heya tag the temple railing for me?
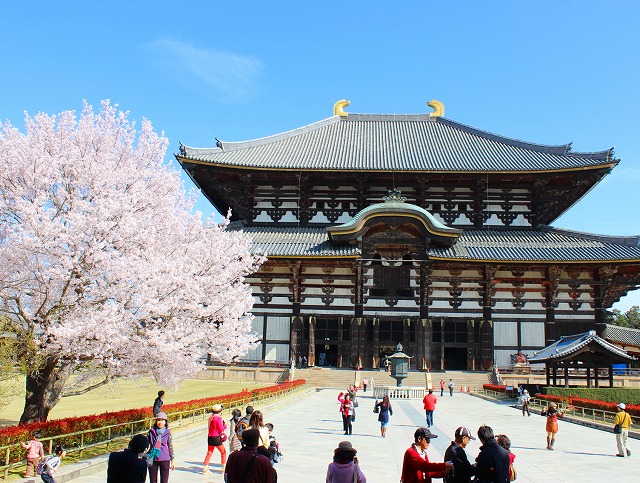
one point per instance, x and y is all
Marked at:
(399, 392)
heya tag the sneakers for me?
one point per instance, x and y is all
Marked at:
(620, 455)
(628, 453)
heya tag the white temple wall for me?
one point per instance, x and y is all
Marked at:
(532, 334)
(276, 352)
(278, 328)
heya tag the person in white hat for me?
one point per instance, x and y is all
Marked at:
(216, 438)
(621, 429)
(161, 452)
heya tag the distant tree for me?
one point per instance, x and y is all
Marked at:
(630, 318)
(104, 268)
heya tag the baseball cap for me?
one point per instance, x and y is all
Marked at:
(622, 405)
(462, 431)
(424, 433)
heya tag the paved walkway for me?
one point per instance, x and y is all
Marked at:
(310, 427)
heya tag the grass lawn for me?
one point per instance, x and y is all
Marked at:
(124, 394)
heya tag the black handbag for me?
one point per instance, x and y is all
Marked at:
(617, 429)
(376, 408)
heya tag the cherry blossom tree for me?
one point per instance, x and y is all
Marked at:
(104, 269)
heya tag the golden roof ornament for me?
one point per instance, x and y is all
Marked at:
(438, 108)
(338, 108)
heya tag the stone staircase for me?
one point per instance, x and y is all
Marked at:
(341, 378)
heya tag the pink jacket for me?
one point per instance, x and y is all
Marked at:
(216, 425)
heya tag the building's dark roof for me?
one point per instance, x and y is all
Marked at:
(624, 336)
(542, 245)
(571, 344)
(418, 143)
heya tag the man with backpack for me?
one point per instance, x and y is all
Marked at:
(243, 424)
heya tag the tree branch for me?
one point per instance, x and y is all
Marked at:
(87, 389)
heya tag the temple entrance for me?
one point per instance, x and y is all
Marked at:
(327, 354)
(455, 358)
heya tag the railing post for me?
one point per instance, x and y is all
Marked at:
(7, 458)
(81, 443)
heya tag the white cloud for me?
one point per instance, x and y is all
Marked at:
(224, 75)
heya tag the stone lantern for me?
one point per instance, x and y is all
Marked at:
(399, 365)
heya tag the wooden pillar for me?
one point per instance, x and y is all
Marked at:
(428, 342)
(376, 343)
(471, 361)
(611, 375)
(566, 376)
(553, 279)
(442, 366)
(548, 373)
(312, 342)
(555, 376)
(588, 377)
(596, 377)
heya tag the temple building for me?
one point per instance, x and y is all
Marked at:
(380, 229)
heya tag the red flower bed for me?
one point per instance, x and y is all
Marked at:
(494, 387)
(633, 409)
(14, 434)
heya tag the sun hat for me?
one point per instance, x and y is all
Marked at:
(216, 408)
(622, 405)
(161, 415)
(424, 433)
(462, 431)
(345, 447)
(552, 405)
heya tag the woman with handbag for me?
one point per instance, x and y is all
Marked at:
(384, 410)
(348, 412)
(234, 441)
(215, 438)
(160, 457)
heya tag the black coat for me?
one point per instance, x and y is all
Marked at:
(126, 467)
(492, 463)
(462, 469)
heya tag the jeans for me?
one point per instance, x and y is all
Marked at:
(47, 478)
(347, 424)
(164, 466)
(429, 417)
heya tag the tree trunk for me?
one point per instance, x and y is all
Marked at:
(44, 389)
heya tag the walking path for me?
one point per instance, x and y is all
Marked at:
(309, 428)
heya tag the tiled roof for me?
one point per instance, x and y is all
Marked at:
(573, 343)
(369, 142)
(621, 335)
(544, 245)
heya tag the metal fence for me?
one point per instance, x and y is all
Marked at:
(105, 435)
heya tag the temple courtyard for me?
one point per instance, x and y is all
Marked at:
(308, 428)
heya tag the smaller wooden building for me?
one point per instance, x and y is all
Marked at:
(580, 356)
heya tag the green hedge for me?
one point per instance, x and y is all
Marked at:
(628, 395)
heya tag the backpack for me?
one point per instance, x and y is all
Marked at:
(241, 426)
(42, 466)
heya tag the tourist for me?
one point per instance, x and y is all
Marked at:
(384, 411)
(463, 470)
(551, 427)
(451, 386)
(416, 466)
(157, 404)
(622, 421)
(348, 412)
(274, 448)
(345, 467)
(305, 362)
(127, 466)
(365, 383)
(248, 465)
(161, 451)
(215, 438)
(429, 402)
(525, 399)
(492, 463)
(35, 453)
(442, 384)
(52, 463)
(504, 441)
(257, 422)
(234, 441)
(243, 423)
(371, 383)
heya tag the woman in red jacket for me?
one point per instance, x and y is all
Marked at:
(416, 466)
(216, 438)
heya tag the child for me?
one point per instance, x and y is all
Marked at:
(52, 463)
(35, 453)
(274, 448)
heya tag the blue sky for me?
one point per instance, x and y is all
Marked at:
(549, 72)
